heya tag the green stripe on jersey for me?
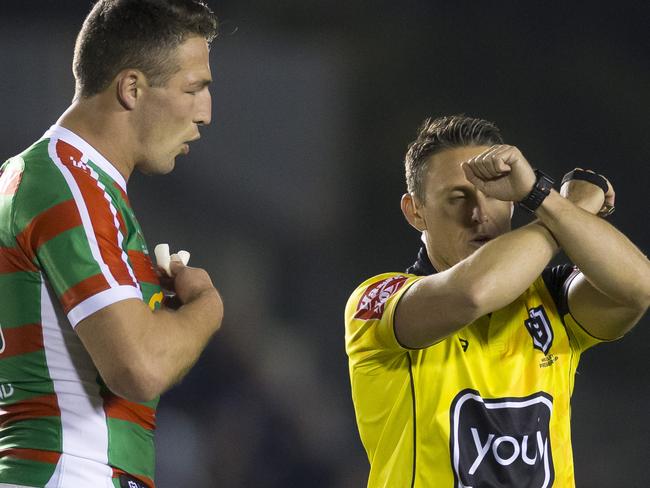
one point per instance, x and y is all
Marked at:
(38, 196)
(21, 393)
(130, 447)
(25, 472)
(43, 433)
(72, 242)
(19, 289)
(27, 371)
(7, 238)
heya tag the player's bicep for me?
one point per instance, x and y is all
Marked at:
(115, 337)
(599, 315)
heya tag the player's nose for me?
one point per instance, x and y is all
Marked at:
(479, 210)
(203, 114)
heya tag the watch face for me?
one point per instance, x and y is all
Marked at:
(544, 182)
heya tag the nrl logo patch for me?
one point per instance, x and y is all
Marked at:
(539, 327)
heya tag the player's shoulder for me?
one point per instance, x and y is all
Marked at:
(36, 183)
(28, 183)
(378, 288)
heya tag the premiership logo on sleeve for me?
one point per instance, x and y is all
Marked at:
(373, 301)
(501, 441)
(539, 327)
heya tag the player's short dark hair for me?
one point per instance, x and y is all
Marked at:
(442, 133)
(137, 34)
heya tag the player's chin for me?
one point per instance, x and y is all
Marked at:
(169, 167)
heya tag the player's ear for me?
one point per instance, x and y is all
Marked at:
(411, 210)
(128, 87)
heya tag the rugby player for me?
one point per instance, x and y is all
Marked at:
(86, 347)
(462, 368)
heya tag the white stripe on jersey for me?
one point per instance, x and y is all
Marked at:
(100, 300)
(83, 421)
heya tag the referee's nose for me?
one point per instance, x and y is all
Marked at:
(479, 209)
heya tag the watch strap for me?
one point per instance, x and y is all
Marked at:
(581, 174)
(541, 189)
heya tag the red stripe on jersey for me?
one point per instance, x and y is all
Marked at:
(47, 225)
(10, 181)
(119, 408)
(13, 260)
(120, 219)
(30, 408)
(32, 455)
(143, 267)
(101, 216)
(22, 340)
(82, 290)
(143, 479)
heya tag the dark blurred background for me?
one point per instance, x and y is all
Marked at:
(291, 199)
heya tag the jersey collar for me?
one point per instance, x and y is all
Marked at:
(422, 265)
(59, 132)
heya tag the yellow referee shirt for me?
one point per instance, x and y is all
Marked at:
(489, 406)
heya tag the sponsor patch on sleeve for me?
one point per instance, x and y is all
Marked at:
(373, 301)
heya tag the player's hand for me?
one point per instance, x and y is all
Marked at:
(501, 172)
(588, 196)
(187, 282)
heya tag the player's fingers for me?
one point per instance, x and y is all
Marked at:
(502, 149)
(610, 196)
(175, 264)
(510, 155)
(473, 177)
(478, 182)
(498, 167)
(478, 168)
(610, 193)
(488, 153)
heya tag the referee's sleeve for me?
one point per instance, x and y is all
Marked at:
(369, 317)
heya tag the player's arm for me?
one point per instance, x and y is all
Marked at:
(489, 279)
(140, 353)
(612, 292)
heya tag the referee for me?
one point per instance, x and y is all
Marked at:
(462, 368)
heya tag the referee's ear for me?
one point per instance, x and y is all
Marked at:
(411, 211)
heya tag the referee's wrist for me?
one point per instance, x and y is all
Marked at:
(540, 190)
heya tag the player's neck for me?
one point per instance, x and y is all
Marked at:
(98, 126)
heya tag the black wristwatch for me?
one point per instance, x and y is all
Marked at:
(540, 191)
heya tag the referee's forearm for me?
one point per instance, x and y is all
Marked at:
(607, 258)
(504, 268)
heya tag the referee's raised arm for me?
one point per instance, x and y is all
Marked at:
(504, 264)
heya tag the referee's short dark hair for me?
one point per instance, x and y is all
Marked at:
(442, 133)
(137, 34)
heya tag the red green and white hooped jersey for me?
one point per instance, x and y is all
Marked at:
(70, 245)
